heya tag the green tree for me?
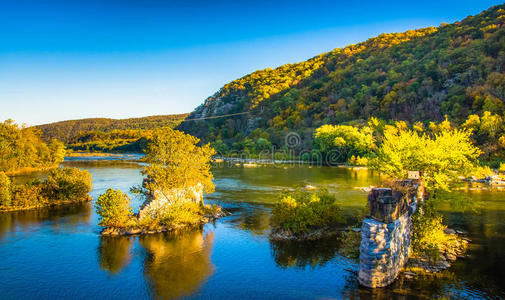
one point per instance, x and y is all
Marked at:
(114, 209)
(263, 144)
(348, 140)
(302, 211)
(22, 148)
(176, 161)
(220, 147)
(67, 184)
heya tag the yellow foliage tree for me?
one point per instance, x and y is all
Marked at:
(440, 158)
(176, 161)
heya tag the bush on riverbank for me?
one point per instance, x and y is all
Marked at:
(68, 185)
(301, 212)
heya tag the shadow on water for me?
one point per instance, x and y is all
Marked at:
(175, 264)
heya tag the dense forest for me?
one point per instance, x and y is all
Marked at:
(109, 135)
(455, 70)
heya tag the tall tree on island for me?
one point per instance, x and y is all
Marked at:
(177, 162)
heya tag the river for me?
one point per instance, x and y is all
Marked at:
(59, 253)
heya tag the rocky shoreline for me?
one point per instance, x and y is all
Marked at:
(445, 259)
(141, 231)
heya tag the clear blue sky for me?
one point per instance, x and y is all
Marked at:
(63, 60)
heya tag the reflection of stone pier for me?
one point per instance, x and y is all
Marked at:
(386, 233)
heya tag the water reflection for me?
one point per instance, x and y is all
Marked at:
(177, 264)
(60, 219)
(61, 254)
(293, 254)
(441, 285)
(114, 253)
(255, 220)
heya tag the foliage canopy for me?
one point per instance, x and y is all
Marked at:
(176, 161)
(441, 157)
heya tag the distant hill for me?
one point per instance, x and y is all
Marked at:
(68, 131)
(419, 75)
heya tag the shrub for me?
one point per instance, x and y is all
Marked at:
(5, 190)
(302, 211)
(70, 184)
(358, 161)
(188, 213)
(114, 209)
(502, 168)
(350, 244)
(428, 236)
(482, 172)
(28, 195)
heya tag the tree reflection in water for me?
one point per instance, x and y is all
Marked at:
(256, 221)
(114, 253)
(300, 254)
(63, 218)
(177, 264)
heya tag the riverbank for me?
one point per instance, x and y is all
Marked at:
(87, 154)
(29, 170)
(256, 162)
(142, 230)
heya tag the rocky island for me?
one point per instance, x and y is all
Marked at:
(177, 177)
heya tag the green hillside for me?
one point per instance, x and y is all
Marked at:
(419, 75)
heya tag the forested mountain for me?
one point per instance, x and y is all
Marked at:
(419, 75)
(68, 131)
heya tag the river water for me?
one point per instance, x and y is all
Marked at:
(59, 253)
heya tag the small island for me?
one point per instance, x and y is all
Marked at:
(177, 176)
(23, 151)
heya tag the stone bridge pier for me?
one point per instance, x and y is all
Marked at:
(386, 233)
